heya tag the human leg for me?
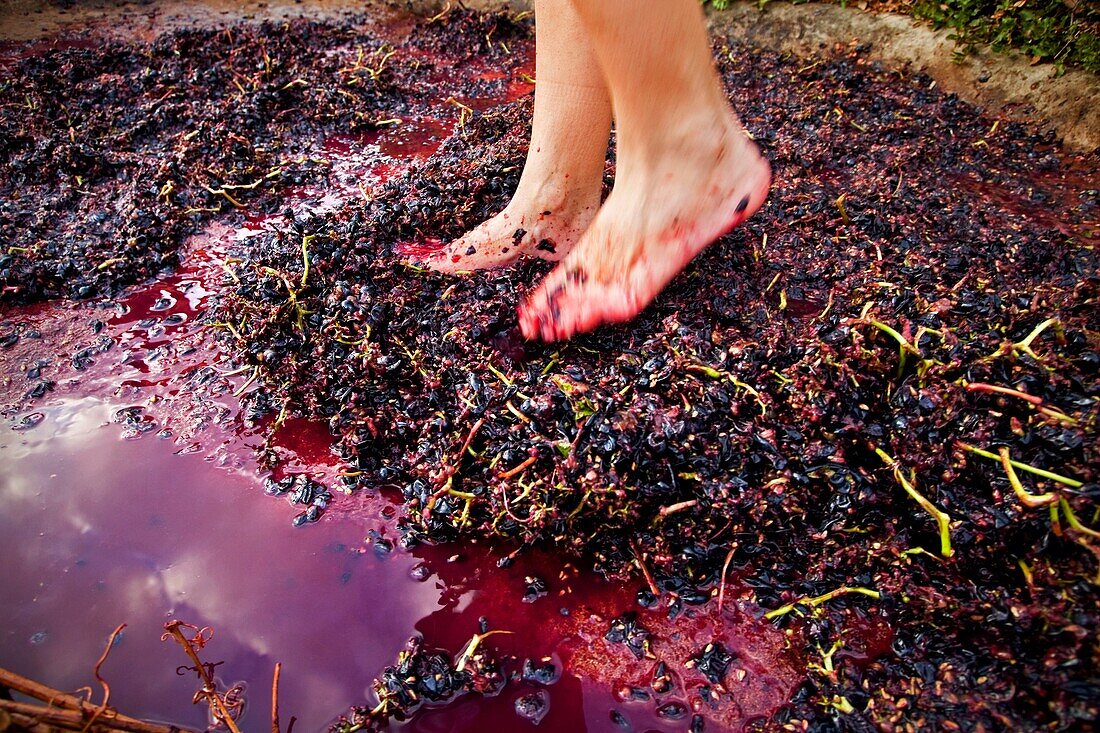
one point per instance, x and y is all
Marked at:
(686, 171)
(559, 190)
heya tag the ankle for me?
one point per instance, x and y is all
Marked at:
(556, 194)
(700, 135)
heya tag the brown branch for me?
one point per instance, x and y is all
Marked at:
(518, 469)
(30, 725)
(722, 585)
(1037, 402)
(62, 701)
(210, 688)
(39, 691)
(678, 507)
(645, 571)
(469, 439)
(71, 719)
(68, 719)
(275, 698)
(994, 389)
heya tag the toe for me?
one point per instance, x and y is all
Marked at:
(583, 308)
(537, 314)
(568, 303)
(528, 322)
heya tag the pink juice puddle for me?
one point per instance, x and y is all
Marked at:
(420, 249)
(131, 492)
(1063, 189)
(415, 138)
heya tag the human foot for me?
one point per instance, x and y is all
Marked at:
(660, 215)
(530, 225)
(559, 191)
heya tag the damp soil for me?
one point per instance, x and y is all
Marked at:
(787, 470)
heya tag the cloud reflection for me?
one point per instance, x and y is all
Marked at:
(96, 530)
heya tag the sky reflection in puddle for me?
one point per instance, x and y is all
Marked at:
(98, 530)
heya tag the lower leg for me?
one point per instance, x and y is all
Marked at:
(686, 171)
(559, 190)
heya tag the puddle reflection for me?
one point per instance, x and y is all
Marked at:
(97, 530)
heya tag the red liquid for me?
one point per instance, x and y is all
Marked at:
(98, 530)
(420, 249)
(137, 498)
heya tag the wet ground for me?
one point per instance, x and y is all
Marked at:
(102, 528)
(132, 493)
(171, 338)
(119, 509)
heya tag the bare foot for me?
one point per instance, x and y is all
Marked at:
(545, 226)
(661, 214)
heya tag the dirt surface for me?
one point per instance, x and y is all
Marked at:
(1002, 84)
(809, 421)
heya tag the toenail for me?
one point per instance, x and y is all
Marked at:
(518, 235)
(743, 205)
(504, 251)
(546, 246)
(471, 250)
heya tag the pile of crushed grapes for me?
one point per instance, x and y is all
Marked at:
(874, 403)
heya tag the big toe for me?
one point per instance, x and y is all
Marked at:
(568, 302)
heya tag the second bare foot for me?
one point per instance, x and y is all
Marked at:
(653, 224)
(544, 226)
